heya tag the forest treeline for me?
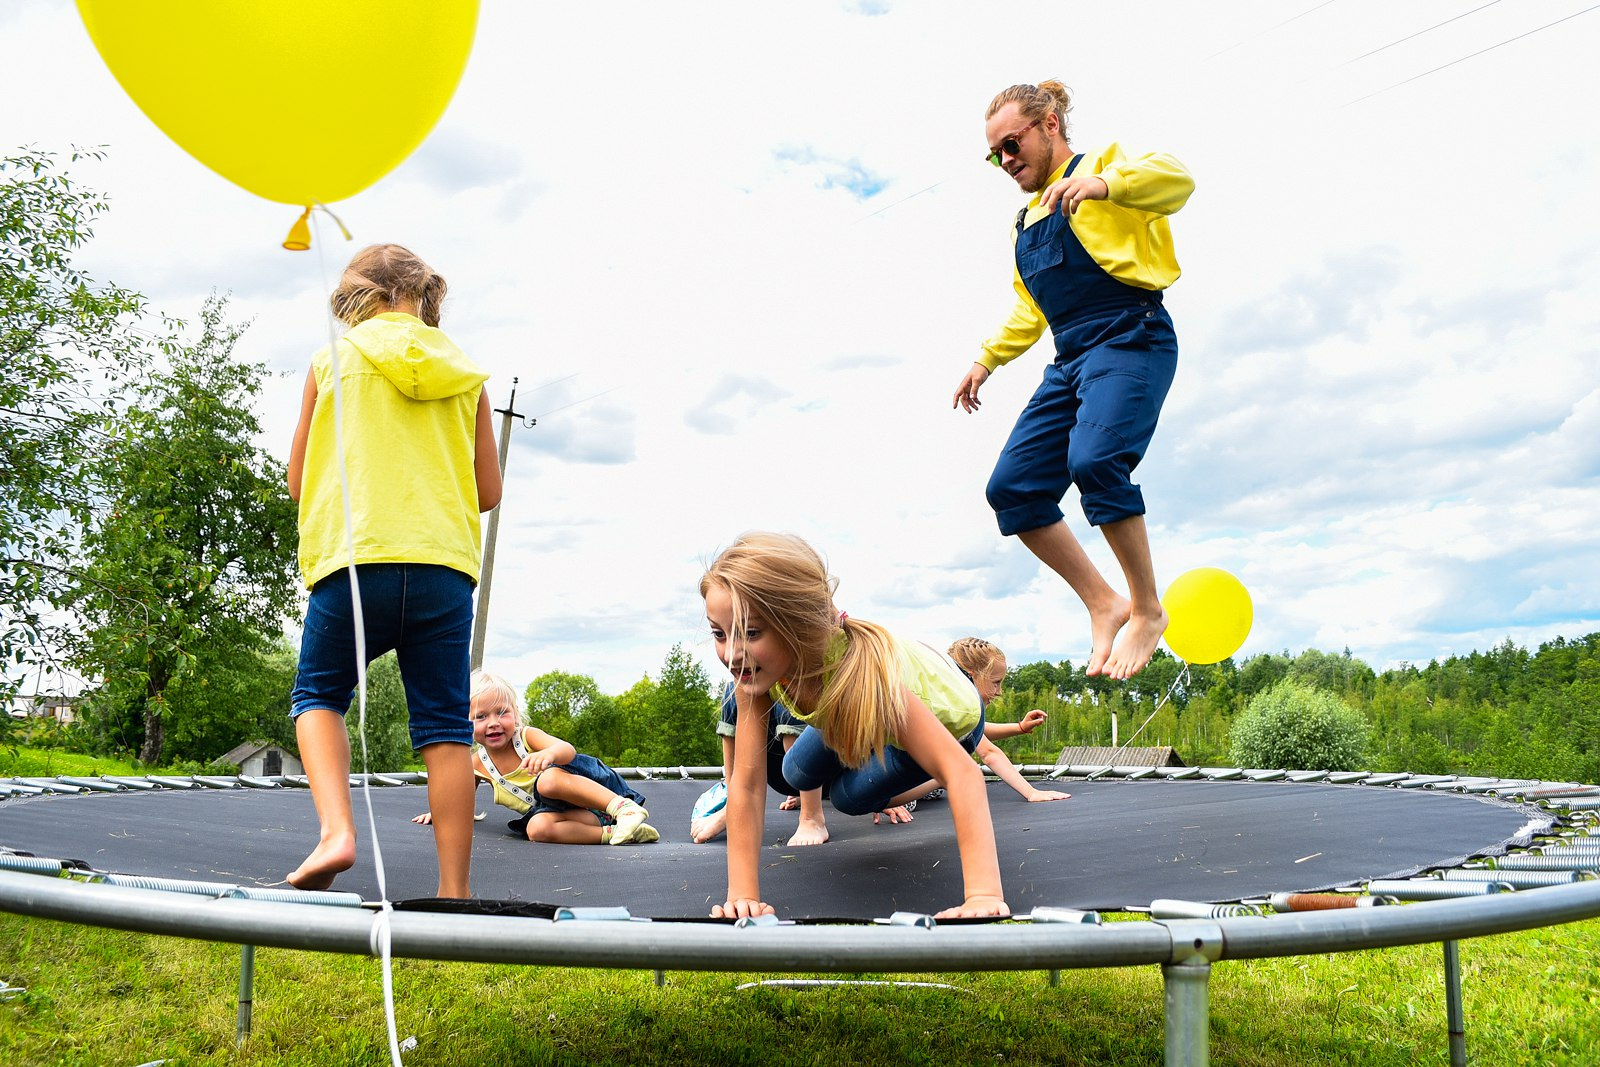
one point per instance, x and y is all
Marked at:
(1508, 712)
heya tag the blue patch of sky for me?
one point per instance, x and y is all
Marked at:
(851, 175)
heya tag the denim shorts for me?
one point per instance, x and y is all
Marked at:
(864, 789)
(779, 723)
(420, 611)
(584, 767)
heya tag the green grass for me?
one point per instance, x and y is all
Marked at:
(104, 997)
(25, 762)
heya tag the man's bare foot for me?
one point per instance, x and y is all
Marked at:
(1136, 645)
(810, 832)
(709, 828)
(789, 804)
(1103, 627)
(327, 860)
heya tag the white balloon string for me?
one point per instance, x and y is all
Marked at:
(1183, 676)
(359, 623)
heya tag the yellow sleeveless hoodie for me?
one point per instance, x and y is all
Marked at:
(410, 399)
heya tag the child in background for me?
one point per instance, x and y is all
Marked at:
(887, 714)
(421, 460)
(560, 795)
(986, 666)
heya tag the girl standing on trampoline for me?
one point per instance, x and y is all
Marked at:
(560, 795)
(884, 715)
(418, 446)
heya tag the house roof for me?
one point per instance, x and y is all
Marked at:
(240, 753)
(1094, 756)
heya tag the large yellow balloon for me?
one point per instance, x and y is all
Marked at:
(1208, 615)
(298, 101)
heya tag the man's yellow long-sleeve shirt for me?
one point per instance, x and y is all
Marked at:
(1126, 234)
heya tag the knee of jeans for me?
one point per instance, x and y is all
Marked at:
(1100, 464)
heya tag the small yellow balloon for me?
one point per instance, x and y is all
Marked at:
(298, 101)
(1208, 615)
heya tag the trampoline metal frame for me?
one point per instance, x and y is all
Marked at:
(1184, 948)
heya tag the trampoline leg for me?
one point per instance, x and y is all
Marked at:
(1188, 1011)
(247, 981)
(1055, 979)
(661, 979)
(1196, 944)
(1454, 1016)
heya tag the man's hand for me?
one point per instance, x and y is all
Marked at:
(1070, 192)
(967, 391)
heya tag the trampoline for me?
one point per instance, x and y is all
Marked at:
(206, 853)
(1117, 844)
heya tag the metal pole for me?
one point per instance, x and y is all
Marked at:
(1188, 1009)
(480, 622)
(247, 981)
(1455, 1017)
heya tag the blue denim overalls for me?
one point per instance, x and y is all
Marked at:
(1091, 419)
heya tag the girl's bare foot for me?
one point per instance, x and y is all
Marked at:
(709, 828)
(330, 858)
(1103, 626)
(1136, 645)
(810, 832)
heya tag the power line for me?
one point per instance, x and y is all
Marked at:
(1474, 55)
(1419, 33)
(1269, 29)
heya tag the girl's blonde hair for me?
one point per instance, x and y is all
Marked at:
(976, 656)
(1036, 101)
(485, 683)
(780, 580)
(383, 276)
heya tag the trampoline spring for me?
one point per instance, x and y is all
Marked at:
(1432, 888)
(1064, 915)
(1556, 861)
(10, 861)
(1324, 901)
(616, 914)
(1567, 846)
(1516, 879)
(294, 896)
(1194, 909)
(169, 885)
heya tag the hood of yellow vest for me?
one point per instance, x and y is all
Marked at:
(417, 358)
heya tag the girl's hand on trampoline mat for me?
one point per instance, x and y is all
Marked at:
(425, 819)
(977, 908)
(899, 813)
(740, 908)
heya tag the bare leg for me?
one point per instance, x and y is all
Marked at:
(325, 753)
(566, 828)
(558, 784)
(1147, 620)
(450, 789)
(813, 827)
(1108, 610)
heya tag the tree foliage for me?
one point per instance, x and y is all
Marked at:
(1298, 727)
(70, 347)
(192, 550)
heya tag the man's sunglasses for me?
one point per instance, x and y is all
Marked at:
(1011, 146)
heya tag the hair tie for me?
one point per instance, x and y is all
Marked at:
(843, 615)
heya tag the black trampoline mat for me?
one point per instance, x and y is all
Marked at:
(1115, 844)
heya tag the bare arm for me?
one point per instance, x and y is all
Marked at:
(486, 457)
(998, 762)
(747, 811)
(548, 750)
(302, 433)
(925, 740)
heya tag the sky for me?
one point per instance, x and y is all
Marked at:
(737, 257)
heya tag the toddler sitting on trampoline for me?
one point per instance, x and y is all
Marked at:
(561, 795)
